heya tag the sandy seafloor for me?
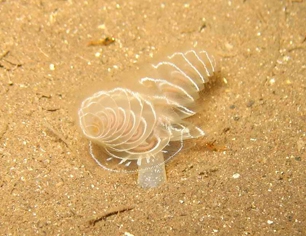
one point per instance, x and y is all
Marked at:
(254, 183)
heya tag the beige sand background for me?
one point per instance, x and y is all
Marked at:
(257, 186)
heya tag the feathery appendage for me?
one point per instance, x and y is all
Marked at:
(141, 131)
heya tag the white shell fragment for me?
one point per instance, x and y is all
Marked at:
(236, 175)
(140, 130)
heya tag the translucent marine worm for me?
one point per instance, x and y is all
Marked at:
(140, 130)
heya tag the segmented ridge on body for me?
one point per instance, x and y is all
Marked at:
(181, 77)
(133, 127)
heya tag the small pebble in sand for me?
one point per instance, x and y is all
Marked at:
(236, 176)
(270, 222)
(128, 234)
(272, 81)
(52, 67)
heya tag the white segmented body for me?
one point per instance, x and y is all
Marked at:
(136, 129)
